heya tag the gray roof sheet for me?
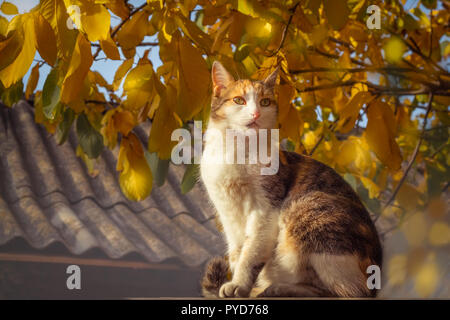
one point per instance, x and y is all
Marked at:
(46, 195)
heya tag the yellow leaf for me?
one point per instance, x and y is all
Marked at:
(408, 196)
(109, 131)
(133, 31)
(246, 7)
(319, 34)
(353, 154)
(302, 21)
(336, 12)
(190, 29)
(139, 77)
(194, 80)
(394, 49)
(109, 47)
(121, 72)
(91, 18)
(138, 86)
(351, 110)
(310, 139)
(415, 229)
(87, 161)
(286, 94)
(45, 39)
(124, 121)
(32, 81)
(55, 12)
(439, 234)
(8, 8)
(427, 279)
(339, 101)
(380, 134)
(11, 47)
(3, 27)
(78, 69)
(292, 126)
(164, 123)
(135, 177)
(16, 70)
(397, 269)
(371, 186)
(437, 207)
(237, 27)
(119, 8)
(220, 35)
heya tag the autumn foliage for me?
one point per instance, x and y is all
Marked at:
(371, 103)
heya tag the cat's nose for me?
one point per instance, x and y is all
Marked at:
(256, 115)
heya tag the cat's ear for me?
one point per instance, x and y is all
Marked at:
(221, 78)
(271, 80)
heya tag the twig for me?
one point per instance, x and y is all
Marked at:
(438, 150)
(117, 28)
(353, 70)
(142, 44)
(424, 57)
(330, 127)
(102, 102)
(335, 56)
(431, 34)
(445, 187)
(376, 89)
(413, 158)
(285, 31)
(343, 43)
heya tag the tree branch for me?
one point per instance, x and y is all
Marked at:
(285, 31)
(117, 28)
(330, 127)
(142, 44)
(413, 158)
(376, 89)
(354, 70)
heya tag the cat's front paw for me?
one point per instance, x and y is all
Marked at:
(233, 290)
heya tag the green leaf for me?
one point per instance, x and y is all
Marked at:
(12, 94)
(62, 132)
(90, 140)
(159, 167)
(242, 52)
(373, 205)
(50, 94)
(190, 178)
(351, 180)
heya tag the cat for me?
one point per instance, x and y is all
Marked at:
(301, 232)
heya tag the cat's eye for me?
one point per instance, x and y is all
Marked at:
(239, 100)
(264, 102)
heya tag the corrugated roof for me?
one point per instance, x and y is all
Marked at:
(46, 195)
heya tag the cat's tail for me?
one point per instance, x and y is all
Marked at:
(216, 274)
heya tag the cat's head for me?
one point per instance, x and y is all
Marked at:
(243, 104)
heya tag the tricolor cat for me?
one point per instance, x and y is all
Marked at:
(302, 232)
